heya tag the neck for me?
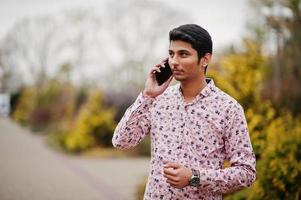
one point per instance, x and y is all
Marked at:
(191, 89)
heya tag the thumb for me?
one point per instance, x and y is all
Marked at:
(172, 165)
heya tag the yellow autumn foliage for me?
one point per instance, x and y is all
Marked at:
(279, 170)
(24, 106)
(43, 107)
(241, 76)
(275, 135)
(94, 125)
(241, 73)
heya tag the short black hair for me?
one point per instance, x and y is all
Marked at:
(194, 34)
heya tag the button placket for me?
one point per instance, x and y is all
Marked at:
(187, 133)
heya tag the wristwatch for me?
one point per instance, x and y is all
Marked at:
(195, 178)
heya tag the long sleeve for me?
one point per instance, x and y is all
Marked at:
(134, 125)
(238, 148)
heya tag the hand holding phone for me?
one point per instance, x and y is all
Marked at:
(158, 80)
(164, 75)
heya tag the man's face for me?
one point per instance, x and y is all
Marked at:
(184, 62)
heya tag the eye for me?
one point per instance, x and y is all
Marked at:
(184, 54)
(171, 54)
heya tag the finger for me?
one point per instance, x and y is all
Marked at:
(169, 171)
(172, 165)
(162, 64)
(175, 185)
(155, 69)
(170, 177)
(164, 60)
(172, 183)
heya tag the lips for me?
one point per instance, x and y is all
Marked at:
(176, 71)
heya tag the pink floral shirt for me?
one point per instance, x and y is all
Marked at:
(201, 134)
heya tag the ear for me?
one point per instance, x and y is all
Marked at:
(206, 59)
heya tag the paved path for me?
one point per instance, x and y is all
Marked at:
(29, 170)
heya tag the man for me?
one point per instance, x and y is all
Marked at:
(194, 127)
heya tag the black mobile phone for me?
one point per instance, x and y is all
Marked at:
(164, 75)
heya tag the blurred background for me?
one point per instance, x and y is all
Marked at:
(69, 69)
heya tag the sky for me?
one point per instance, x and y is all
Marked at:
(224, 20)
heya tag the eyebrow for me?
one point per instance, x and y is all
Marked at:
(184, 50)
(180, 51)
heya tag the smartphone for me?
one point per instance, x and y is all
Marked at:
(164, 75)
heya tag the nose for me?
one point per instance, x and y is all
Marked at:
(173, 62)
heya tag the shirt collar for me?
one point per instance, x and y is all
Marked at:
(210, 87)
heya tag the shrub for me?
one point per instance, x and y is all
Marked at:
(43, 107)
(93, 126)
(279, 175)
(279, 167)
(24, 106)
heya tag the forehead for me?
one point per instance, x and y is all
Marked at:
(177, 45)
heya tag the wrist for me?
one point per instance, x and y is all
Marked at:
(148, 95)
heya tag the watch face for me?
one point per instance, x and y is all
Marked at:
(195, 181)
